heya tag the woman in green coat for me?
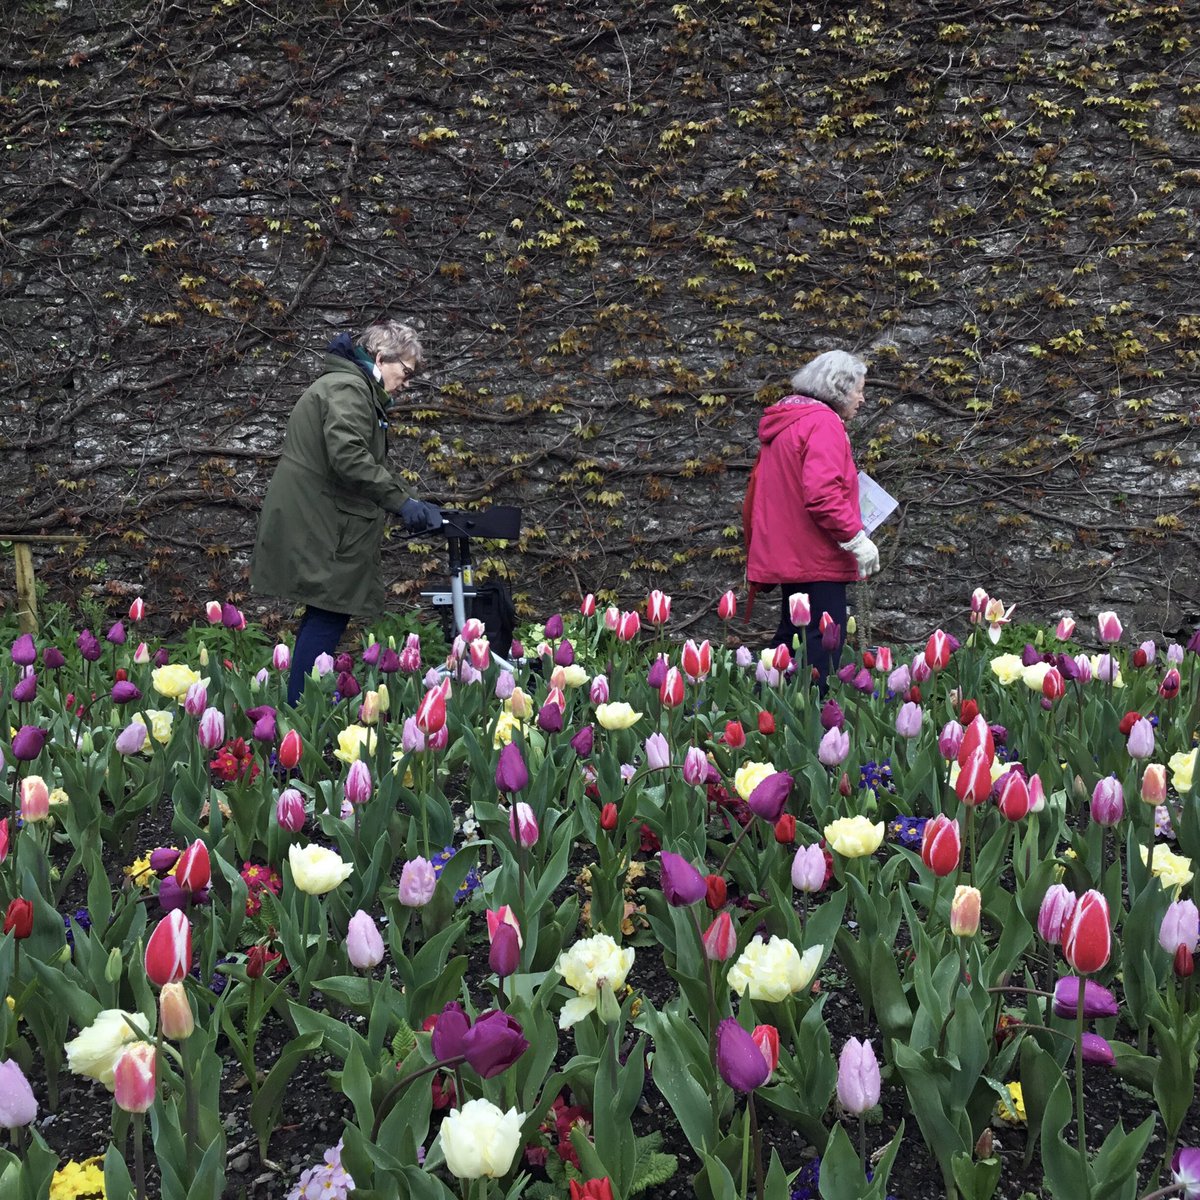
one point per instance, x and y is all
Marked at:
(322, 521)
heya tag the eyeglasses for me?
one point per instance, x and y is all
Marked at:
(411, 370)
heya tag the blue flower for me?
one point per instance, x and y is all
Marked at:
(908, 831)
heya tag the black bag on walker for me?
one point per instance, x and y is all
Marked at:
(492, 604)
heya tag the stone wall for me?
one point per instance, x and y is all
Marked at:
(620, 228)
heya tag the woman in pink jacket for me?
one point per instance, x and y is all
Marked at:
(803, 527)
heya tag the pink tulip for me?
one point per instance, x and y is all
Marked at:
(1056, 908)
(1154, 784)
(195, 699)
(612, 618)
(695, 766)
(658, 753)
(809, 869)
(696, 660)
(858, 1082)
(587, 606)
(35, 799)
(1141, 739)
(628, 626)
(281, 657)
(599, 690)
(358, 782)
(418, 880)
(658, 608)
(834, 747)
(168, 956)
(18, 1106)
(212, 610)
(1087, 935)
(720, 938)
(522, 825)
(1180, 926)
(909, 720)
(364, 945)
(727, 606)
(1013, 799)
(799, 609)
(134, 1077)
(1065, 629)
(210, 733)
(289, 810)
(1108, 801)
(1108, 626)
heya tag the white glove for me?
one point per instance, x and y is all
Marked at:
(865, 552)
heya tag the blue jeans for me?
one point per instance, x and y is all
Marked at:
(319, 633)
(822, 597)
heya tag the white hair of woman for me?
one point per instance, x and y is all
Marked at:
(833, 377)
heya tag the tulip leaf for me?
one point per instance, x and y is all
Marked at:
(689, 1100)
(1114, 1168)
(268, 1101)
(1064, 1171)
(976, 1179)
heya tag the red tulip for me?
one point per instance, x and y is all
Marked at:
(766, 723)
(785, 829)
(290, 749)
(18, 918)
(735, 735)
(696, 660)
(1014, 800)
(193, 869)
(937, 650)
(968, 712)
(593, 1189)
(941, 845)
(976, 736)
(628, 626)
(431, 712)
(766, 1038)
(587, 606)
(137, 610)
(974, 781)
(658, 608)
(1087, 935)
(169, 949)
(720, 939)
(608, 817)
(1053, 686)
(727, 606)
(717, 891)
(671, 692)
(781, 659)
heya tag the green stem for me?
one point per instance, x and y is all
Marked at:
(385, 1105)
(712, 1021)
(862, 1143)
(191, 1109)
(1081, 1128)
(139, 1155)
(746, 1154)
(756, 1138)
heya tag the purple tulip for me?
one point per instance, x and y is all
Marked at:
(658, 753)
(900, 680)
(358, 785)
(348, 687)
(1030, 655)
(858, 1083)
(1057, 906)
(25, 689)
(554, 626)
(116, 635)
(1097, 1001)
(505, 685)
(550, 718)
(682, 884)
(1097, 1050)
(89, 645)
(418, 881)
(831, 637)
(505, 955)
(834, 747)
(364, 945)
(163, 859)
(289, 810)
(28, 742)
(848, 673)
(809, 869)
(162, 656)
(949, 740)
(512, 775)
(172, 897)
(1067, 667)
(123, 692)
(449, 1030)
(371, 654)
(231, 618)
(657, 673)
(695, 766)
(1141, 739)
(24, 652)
(412, 740)
(1185, 1165)
(832, 716)
(52, 658)
(131, 739)
(767, 800)
(263, 716)
(583, 741)
(740, 1062)
(210, 732)
(564, 655)
(909, 720)
(1180, 926)
(493, 1043)
(1108, 801)
(389, 662)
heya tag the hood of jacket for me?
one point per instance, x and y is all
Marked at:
(788, 412)
(342, 354)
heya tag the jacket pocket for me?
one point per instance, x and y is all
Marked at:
(358, 506)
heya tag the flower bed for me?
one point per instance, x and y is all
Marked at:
(641, 919)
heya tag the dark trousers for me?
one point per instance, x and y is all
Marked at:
(319, 633)
(822, 598)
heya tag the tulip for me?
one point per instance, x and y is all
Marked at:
(1154, 784)
(1108, 626)
(1108, 801)
(122, 692)
(1037, 794)
(964, 911)
(35, 799)
(739, 1060)
(769, 797)
(195, 699)
(720, 939)
(858, 1082)
(598, 692)
(974, 781)
(417, 883)
(550, 718)
(193, 870)
(612, 618)
(766, 1038)
(27, 743)
(727, 606)
(1098, 1002)
(260, 961)
(290, 750)
(977, 736)
(834, 747)
(941, 845)
(734, 735)
(831, 633)
(162, 859)
(785, 829)
(175, 1012)
(364, 945)
(1013, 800)
(1183, 963)
(949, 740)
(608, 817)
(658, 608)
(431, 712)
(658, 752)
(781, 659)
(18, 1107)
(1180, 926)
(25, 689)
(583, 741)
(168, 956)
(134, 1078)
(512, 775)
(116, 634)
(24, 650)
(809, 869)
(1141, 739)
(716, 891)
(504, 957)
(493, 1043)
(1056, 908)
(522, 825)
(799, 609)
(909, 720)
(1053, 685)
(1087, 935)
(696, 660)
(18, 918)
(937, 650)
(695, 766)
(628, 626)
(682, 884)
(3, 839)
(210, 732)
(1169, 688)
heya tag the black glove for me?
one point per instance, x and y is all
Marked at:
(419, 516)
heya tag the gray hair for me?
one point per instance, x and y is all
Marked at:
(392, 340)
(830, 377)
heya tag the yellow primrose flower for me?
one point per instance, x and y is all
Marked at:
(1183, 770)
(173, 680)
(59, 796)
(138, 872)
(79, 1180)
(618, 715)
(1008, 668)
(854, 837)
(750, 775)
(1172, 870)
(1012, 1113)
(351, 741)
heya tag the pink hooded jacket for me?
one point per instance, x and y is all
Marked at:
(803, 497)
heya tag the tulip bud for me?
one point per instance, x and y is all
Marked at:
(1108, 626)
(1154, 784)
(785, 829)
(418, 880)
(941, 845)
(695, 766)
(364, 945)
(735, 735)
(658, 753)
(169, 950)
(720, 939)
(504, 957)
(18, 918)
(809, 869)
(964, 911)
(290, 750)
(608, 817)
(717, 891)
(134, 1077)
(608, 1008)
(522, 825)
(193, 868)
(1087, 935)
(727, 606)
(1108, 801)
(740, 1062)
(1183, 962)
(858, 1081)
(175, 1012)
(682, 884)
